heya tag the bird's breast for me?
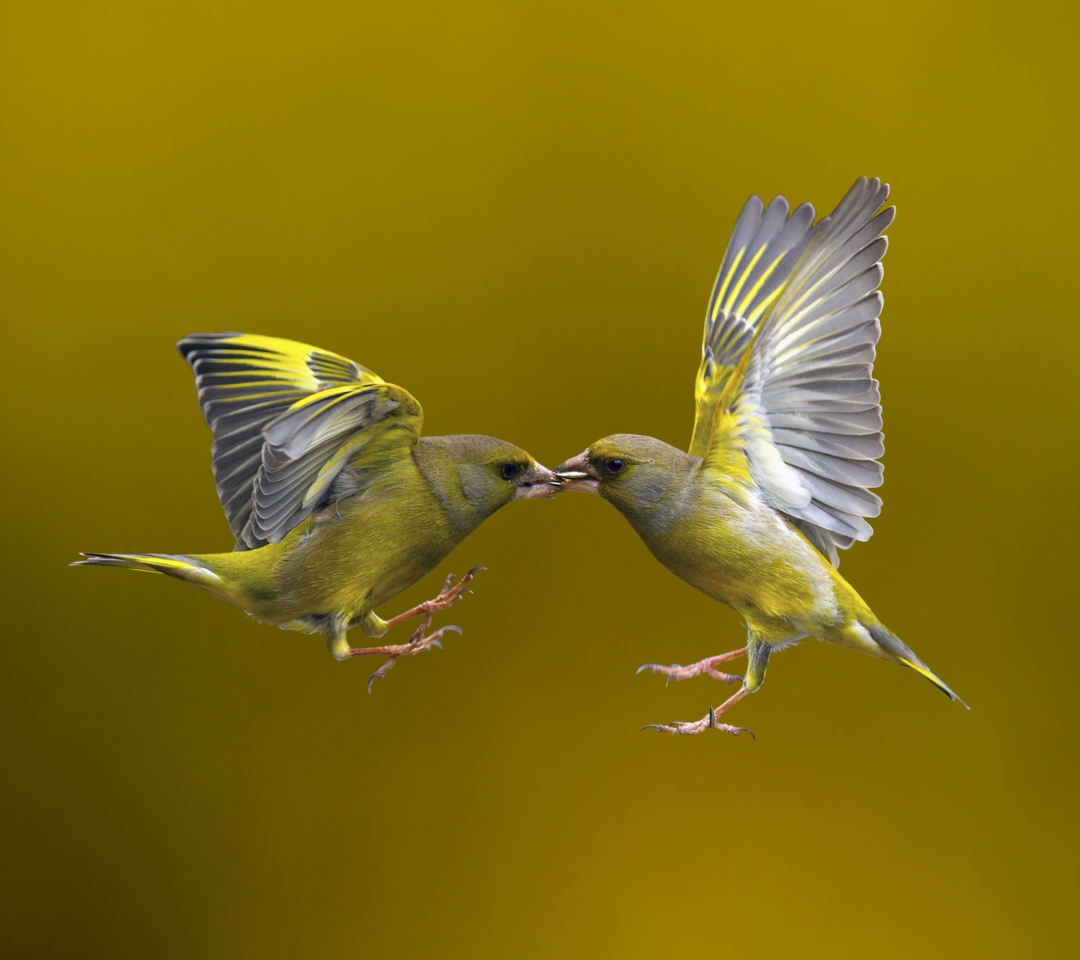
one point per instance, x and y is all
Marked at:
(750, 558)
(366, 549)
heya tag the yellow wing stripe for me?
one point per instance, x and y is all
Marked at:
(299, 362)
(756, 288)
(328, 472)
(743, 277)
(323, 395)
(734, 382)
(765, 304)
(285, 350)
(724, 285)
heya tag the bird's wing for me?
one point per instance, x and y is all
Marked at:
(286, 418)
(785, 380)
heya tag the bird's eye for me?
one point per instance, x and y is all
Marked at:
(509, 471)
(614, 466)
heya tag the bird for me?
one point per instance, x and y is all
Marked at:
(786, 444)
(336, 501)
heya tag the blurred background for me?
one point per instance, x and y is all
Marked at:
(516, 211)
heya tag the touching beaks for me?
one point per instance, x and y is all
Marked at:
(578, 474)
(538, 482)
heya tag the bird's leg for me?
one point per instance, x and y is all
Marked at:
(708, 665)
(708, 722)
(757, 652)
(418, 643)
(450, 594)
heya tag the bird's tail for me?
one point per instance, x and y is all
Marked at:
(923, 670)
(894, 645)
(189, 569)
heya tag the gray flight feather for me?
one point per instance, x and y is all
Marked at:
(809, 382)
(287, 418)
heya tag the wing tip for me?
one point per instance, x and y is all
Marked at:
(780, 202)
(189, 344)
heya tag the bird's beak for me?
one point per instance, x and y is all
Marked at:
(538, 482)
(578, 474)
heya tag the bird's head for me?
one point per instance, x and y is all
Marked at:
(516, 472)
(477, 475)
(630, 471)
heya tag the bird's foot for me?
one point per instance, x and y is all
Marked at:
(450, 594)
(708, 665)
(418, 643)
(708, 722)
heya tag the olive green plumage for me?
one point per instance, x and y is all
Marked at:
(338, 504)
(786, 438)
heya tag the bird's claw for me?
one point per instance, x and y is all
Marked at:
(708, 722)
(451, 592)
(418, 643)
(654, 667)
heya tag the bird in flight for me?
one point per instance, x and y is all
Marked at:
(337, 503)
(786, 443)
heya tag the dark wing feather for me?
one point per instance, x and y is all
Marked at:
(286, 418)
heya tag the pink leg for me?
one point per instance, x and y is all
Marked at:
(708, 665)
(448, 596)
(418, 643)
(708, 722)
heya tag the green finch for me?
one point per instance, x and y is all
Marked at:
(336, 501)
(786, 442)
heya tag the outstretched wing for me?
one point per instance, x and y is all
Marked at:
(286, 418)
(785, 378)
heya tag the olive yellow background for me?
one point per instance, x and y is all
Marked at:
(516, 210)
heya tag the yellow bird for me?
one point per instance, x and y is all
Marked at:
(786, 442)
(336, 501)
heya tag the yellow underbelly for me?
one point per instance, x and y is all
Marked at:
(349, 560)
(756, 563)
